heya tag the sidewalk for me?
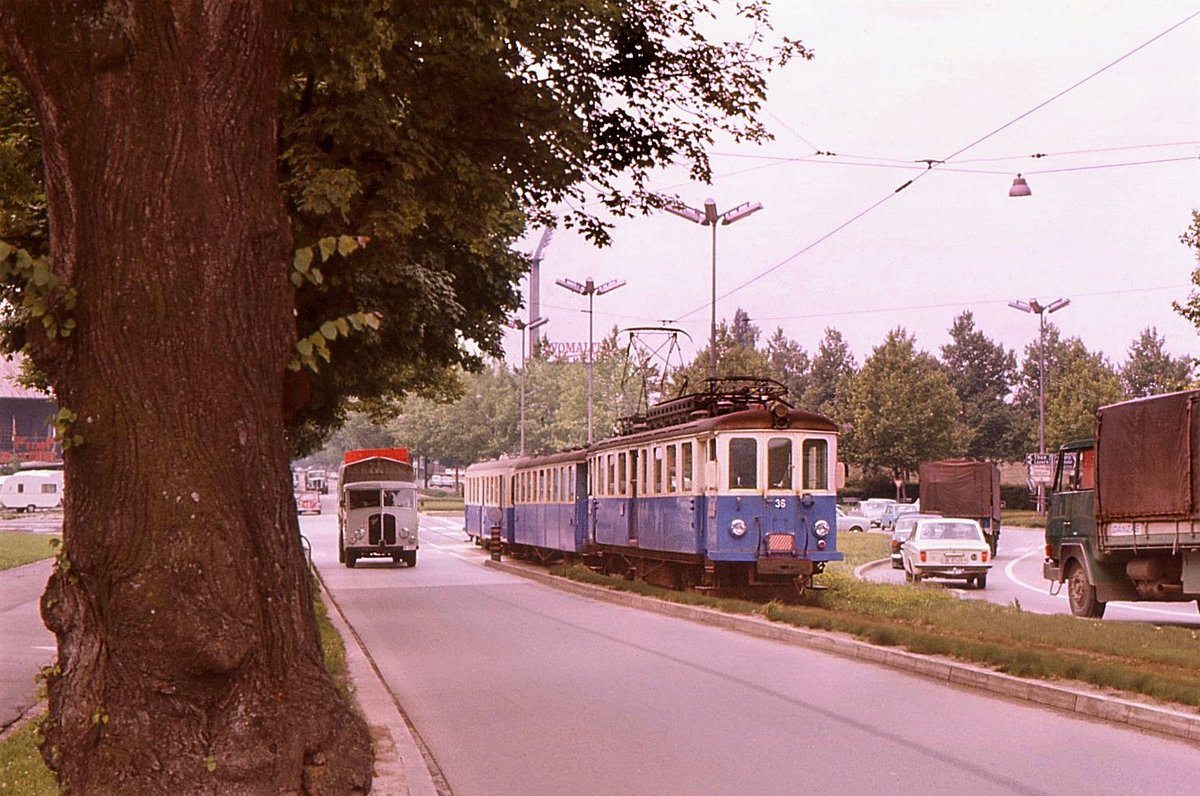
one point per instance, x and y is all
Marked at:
(400, 768)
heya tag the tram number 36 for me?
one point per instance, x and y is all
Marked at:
(781, 503)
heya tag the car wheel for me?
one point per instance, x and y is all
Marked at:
(856, 529)
(30, 509)
(1081, 594)
(981, 581)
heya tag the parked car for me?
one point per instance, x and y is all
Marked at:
(947, 547)
(873, 508)
(849, 522)
(308, 502)
(887, 520)
(900, 531)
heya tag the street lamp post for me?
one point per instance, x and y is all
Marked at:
(709, 217)
(1035, 307)
(522, 326)
(591, 290)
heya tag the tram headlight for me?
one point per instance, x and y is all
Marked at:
(737, 529)
(821, 529)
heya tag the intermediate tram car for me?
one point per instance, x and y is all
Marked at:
(724, 490)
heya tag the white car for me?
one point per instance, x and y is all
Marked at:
(947, 547)
(873, 508)
(849, 522)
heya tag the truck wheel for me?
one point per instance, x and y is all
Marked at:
(351, 560)
(1082, 595)
(341, 550)
(410, 558)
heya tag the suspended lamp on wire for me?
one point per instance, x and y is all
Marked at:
(1020, 187)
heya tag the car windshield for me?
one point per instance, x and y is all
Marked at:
(956, 531)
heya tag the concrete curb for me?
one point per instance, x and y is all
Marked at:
(401, 769)
(1185, 726)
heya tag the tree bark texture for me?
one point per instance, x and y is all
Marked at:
(188, 656)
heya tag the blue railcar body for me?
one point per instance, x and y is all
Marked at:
(737, 498)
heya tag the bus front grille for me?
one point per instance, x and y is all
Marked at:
(384, 524)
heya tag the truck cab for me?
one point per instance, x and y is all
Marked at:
(1124, 514)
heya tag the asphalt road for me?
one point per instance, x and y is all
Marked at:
(517, 688)
(1017, 577)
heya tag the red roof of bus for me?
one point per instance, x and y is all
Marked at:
(398, 454)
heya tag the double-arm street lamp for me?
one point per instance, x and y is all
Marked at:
(522, 326)
(709, 217)
(1035, 307)
(591, 290)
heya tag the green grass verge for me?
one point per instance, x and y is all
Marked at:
(17, 548)
(1020, 519)
(22, 772)
(1159, 662)
(440, 504)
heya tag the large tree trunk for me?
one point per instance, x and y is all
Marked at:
(188, 654)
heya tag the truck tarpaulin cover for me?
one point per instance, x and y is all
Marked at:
(1148, 457)
(961, 488)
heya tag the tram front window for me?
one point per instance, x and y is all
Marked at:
(743, 463)
(779, 463)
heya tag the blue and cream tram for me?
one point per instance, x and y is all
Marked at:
(718, 490)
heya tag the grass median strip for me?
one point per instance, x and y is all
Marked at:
(18, 548)
(1161, 662)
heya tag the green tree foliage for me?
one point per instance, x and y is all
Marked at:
(789, 364)
(902, 410)
(982, 373)
(1078, 382)
(736, 356)
(833, 371)
(436, 133)
(1150, 370)
(1191, 238)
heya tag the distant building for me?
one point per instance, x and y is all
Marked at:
(26, 418)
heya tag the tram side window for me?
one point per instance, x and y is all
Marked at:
(779, 463)
(672, 468)
(658, 471)
(816, 464)
(643, 463)
(686, 464)
(622, 473)
(743, 463)
(612, 474)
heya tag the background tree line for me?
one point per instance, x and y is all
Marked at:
(900, 407)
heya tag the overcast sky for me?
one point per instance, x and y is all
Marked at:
(898, 82)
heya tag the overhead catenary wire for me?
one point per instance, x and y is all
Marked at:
(925, 172)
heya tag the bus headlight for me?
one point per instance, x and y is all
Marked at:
(737, 529)
(821, 529)
(358, 535)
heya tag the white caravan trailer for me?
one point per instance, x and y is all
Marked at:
(30, 490)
